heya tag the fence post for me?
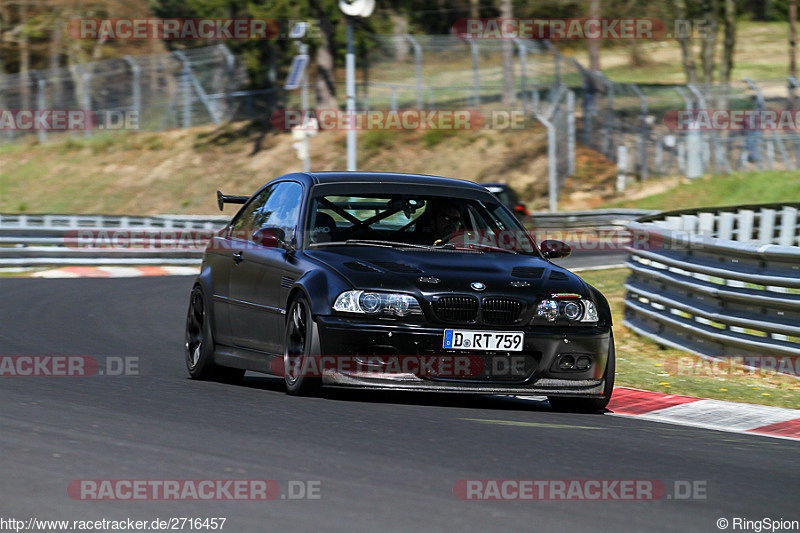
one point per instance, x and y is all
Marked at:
(794, 89)
(136, 89)
(641, 137)
(476, 80)
(184, 87)
(694, 143)
(761, 105)
(570, 133)
(523, 74)
(40, 104)
(622, 166)
(230, 61)
(417, 69)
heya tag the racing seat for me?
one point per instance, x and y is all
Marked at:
(324, 228)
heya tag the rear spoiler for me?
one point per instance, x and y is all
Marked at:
(223, 199)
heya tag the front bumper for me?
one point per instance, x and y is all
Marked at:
(538, 375)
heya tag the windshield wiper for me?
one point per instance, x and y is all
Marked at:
(367, 242)
(393, 244)
(478, 246)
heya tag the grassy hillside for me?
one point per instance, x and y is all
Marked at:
(179, 171)
(762, 51)
(712, 191)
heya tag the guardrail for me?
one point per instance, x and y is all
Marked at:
(44, 240)
(718, 282)
(590, 218)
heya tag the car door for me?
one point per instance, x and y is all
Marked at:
(257, 290)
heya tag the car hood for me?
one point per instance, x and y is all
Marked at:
(416, 271)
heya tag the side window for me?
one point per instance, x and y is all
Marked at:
(280, 209)
(245, 221)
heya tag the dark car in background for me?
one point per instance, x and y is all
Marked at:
(508, 197)
(398, 281)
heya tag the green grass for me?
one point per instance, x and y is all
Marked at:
(643, 364)
(725, 189)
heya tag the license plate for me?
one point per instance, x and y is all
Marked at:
(483, 340)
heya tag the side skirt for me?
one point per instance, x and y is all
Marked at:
(247, 359)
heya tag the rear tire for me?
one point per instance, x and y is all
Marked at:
(590, 405)
(199, 344)
(298, 345)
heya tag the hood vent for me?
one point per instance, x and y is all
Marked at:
(398, 267)
(362, 267)
(527, 272)
(555, 275)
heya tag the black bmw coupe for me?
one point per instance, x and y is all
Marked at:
(400, 281)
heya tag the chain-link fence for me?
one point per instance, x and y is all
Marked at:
(205, 85)
(178, 89)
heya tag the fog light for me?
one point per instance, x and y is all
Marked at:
(572, 310)
(583, 363)
(567, 362)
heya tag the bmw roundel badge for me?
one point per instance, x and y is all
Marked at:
(477, 285)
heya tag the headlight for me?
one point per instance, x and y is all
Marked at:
(377, 303)
(548, 309)
(573, 310)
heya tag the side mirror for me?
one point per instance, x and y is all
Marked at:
(271, 238)
(552, 249)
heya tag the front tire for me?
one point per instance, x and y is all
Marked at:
(199, 344)
(298, 346)
(590, 405)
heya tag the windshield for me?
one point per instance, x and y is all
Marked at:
(435, 222)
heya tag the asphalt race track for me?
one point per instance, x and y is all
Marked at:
(383, 462)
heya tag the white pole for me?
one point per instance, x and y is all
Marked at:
(350, 64)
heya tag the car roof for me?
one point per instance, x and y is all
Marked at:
(497, 185)
(384, 177)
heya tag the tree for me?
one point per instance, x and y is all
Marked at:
(594, 44)
(708, 11)
(509, 91)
